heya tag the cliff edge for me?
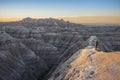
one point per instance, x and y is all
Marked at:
(95, 65)
(89, 64)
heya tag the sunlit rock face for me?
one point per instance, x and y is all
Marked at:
(93, 65)
(89, 64)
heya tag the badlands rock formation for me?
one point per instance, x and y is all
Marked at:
(89, 64)
(17, 62)
(44, 49)
(94, 65)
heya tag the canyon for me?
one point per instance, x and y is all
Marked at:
(54, 49)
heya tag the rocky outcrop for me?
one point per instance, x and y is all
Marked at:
(93, 65)
(44, 50)
(21, 32)
(17, 62)
(63, 68)
(89, 64)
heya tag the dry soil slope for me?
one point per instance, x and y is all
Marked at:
(89, 64)
(95, 65)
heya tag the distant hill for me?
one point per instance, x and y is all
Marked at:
(31, 22)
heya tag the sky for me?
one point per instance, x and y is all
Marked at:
(15, 9)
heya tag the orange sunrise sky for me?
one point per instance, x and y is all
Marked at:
(78, 11)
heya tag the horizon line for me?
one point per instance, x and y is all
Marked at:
(74, 19)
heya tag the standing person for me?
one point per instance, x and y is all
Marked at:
(96, 44)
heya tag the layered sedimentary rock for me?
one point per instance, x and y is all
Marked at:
(42, 49)
(17, 62)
